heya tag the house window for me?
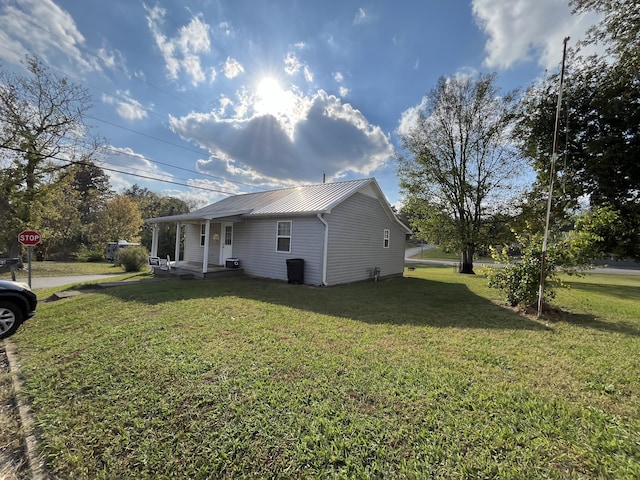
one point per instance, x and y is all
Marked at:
(385, 242)
(228, 233)
(283, 237)
(203, 235)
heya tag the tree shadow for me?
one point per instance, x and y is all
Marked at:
(397, 301)
(618, 291)
(589, 321)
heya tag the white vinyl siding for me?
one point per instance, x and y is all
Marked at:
(355, 247)
(193, 250)
(253, 246)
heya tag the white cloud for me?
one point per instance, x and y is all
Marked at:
(232, 68)
(522, 30)
(409, 118)
(308, 74)
(339, 78)
(119, 161)
(126, 106)
(292, 64)
(361, 17)
(181, 52)
(43, 27)
(318, 133)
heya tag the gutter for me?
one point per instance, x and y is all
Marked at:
(325, 249)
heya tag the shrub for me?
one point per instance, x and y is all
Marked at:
(132, 259)
(519, 280)
(87, 255)
(571, 252)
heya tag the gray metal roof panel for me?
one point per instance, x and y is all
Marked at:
(307, 199)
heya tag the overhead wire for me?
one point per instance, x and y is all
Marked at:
(123, 172)
(117, 95)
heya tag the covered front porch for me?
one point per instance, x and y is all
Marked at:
(188, 270)
(206, 243)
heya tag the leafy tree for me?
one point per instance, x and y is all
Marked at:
(460, 166)
(599, 143)
(60, 220)
(153, 205)
(41, 127)
(92, 184)
(120, 220)
(619, 29)
(572, 252)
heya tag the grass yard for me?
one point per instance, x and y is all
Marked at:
(436, 253)
(54, 269)
(418, 377)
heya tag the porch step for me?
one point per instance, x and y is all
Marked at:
(219, 272)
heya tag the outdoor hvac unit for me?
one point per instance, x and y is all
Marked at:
(232, 263)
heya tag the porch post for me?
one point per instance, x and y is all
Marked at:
(177, 251)
(154, 240)
(205, 254)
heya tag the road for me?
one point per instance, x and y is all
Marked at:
(416, 251)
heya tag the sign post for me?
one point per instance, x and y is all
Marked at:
(29, 238)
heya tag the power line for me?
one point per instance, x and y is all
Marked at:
(85, 50)
(146, 177)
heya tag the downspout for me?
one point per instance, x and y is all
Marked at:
(325, 249)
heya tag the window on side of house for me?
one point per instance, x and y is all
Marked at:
(385, 242)
(283, 236)
(203, 230)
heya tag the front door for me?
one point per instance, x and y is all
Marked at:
(226, 242)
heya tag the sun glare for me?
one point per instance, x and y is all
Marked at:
(272, 98)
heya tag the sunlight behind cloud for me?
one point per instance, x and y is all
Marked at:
(272, 98)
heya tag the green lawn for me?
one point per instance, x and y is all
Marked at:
(439, 254)
(54, 269)
(417, 377)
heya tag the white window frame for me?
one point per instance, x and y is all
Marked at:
(203, 234)
(386, 238)
(228, 235)
(278, 236)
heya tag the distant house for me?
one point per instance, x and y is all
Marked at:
(339, 232)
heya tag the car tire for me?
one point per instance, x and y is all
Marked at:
(10, 318)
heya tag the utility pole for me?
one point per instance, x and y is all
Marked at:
(552, 174)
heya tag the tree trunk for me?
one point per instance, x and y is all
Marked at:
(467, 260)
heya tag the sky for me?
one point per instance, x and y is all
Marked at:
(201, 99)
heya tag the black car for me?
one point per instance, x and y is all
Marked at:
(17, 304)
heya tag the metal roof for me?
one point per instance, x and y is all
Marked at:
(308, 199)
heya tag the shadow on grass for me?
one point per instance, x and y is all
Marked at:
(618, 291)
(589, 321)
(398, 301)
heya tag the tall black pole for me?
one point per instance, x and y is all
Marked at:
(552, 174)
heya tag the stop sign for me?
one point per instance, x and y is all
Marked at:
(29, 237)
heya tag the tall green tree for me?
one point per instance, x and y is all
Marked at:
(120, 220)
(153, 205)
(599, 141)
(41, 128)
(619, 29)
(60, 220)
(459, 168)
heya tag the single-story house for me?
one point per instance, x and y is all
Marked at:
(339, 232)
